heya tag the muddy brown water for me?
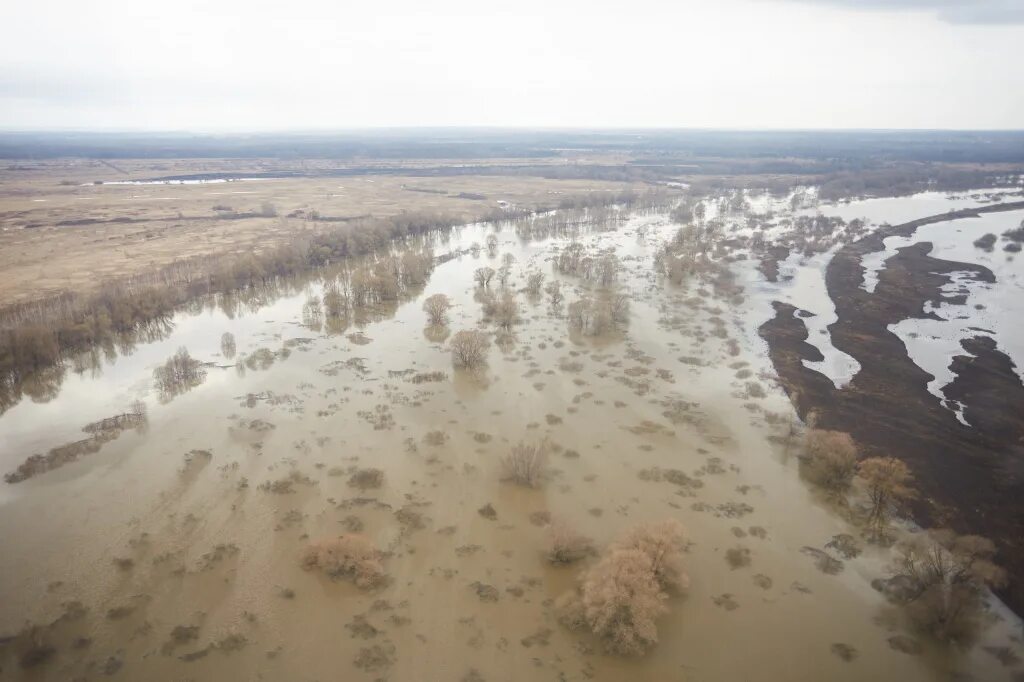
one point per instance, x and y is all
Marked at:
(212, 551)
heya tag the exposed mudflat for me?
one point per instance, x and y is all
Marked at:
(174, 550)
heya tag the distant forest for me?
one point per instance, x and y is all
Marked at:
(835, 149)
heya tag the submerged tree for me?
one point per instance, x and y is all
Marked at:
(887, 480)
(180, 373)
(483, 276)
(436, 307)
(227, 345)
(944, 578)
(469, 348)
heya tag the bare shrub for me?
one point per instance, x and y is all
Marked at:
(469, 348)
(483, 276)
(180, 373)
(829, 459)
(622, 596)
(663, 542)
(887, 480)
(436, 307)
(525, 464)
(350, 557)
(619, 602)
(945, 576)
(534, 282)
(227, 345)
(565, 545)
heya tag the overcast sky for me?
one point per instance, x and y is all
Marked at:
(219, 65)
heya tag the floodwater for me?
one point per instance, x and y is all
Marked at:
(150, 535)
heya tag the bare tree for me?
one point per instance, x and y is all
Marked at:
(483, 276)
(945, 576)
(469, 348)
(436, 307)
(180, 373)
(534, 281)
(227, 345)
(887, 480)
(504, 275)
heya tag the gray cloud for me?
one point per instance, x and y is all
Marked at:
(953, 11)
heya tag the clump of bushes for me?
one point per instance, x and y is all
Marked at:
(829, 459)
(349, 557)
(620, 598)
(565, 545)
(593, 317)
(502, 310)
(525, 464)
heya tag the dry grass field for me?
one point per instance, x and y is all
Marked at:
(59, 231)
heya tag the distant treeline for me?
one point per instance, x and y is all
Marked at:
(657, 146)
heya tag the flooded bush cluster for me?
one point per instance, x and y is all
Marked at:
(594, 316)
(620, 598)
(36, 336)
(939, 577)
(100, 433)
(525, 464)
(180, 373)
(348, 557)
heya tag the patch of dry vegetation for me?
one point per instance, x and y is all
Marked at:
(566, 545)
(525, 464)
(621, 597)
(829, 459)
(348, 557)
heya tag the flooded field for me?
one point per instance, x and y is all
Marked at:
(292, 419)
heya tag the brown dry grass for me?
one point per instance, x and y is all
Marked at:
(40, 258)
